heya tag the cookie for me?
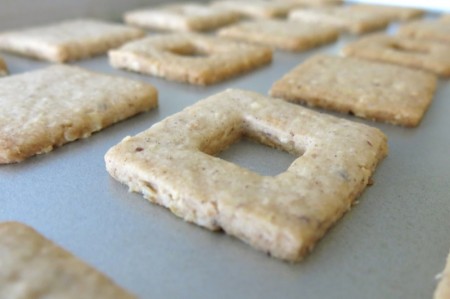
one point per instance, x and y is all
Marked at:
(313, 3)
(34, 267)
(368, 89)
(3, 67)
(290, 36)
(443, 288)
(181, 17)
(172, 164)
(445, 18)
(430, 56)
(265, 9)
(190, 57)
(393, 13)
(50, 107)
(69, 40)
(427, 30)
(342, 17)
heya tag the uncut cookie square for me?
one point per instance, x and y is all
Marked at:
(430, 56)
(181, 17)
(34, 267)
(342, 17)
(47, 108)
(68, 40)
(368, 89)
(189, 57)
(436, 30)
(265, 9)
(172, 164)
(285, 35)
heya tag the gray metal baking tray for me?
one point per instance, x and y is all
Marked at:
(391, 245)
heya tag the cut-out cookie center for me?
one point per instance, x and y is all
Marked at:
(192, 51)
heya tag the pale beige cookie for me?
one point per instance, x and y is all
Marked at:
(190, 57)
(286, 35)
(312, 3)
(3, 67)
(368, 89)
(443, 288)
(181, 17)
(265, 9)
(69, 40)
(50, 107)
(427, 30)
(430, 56)
(341, 17)
(34, 267)
(172, 164)
(393, 13)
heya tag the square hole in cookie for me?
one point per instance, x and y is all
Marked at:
(190, 50)
(172, 164)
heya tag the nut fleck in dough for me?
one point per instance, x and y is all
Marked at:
(393, 13)
(172, 164)
(443, 288)
(265, 9)
(181, 17)
(436, 30)
(368, 89)
(34, 267)
(430, 56)
(291, 36)
(50, 107)
(3, 67)
(69, 40)
(190, 57)
(343, 18)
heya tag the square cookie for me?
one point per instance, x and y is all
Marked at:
(50, 107)
(34, 267)
(368, 89)
(285, 35)
(172, 164)
(69, 40)
(427, 30)
(393, 13)
(181, 17)
(342, 17)
(443, 288)
(3, 67)
(189, 57)
(265, 9)
(430, 56)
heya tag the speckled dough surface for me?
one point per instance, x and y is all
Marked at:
(190, 57)
(368, 89)
(342, 18)
(291, 36)
(430, 56)
(393, 13)
(443, 288)
(69, 40)
(34, 267)
(172, 164)
(256, 8)
(3, 67)
(59, 104)
(435, 30)
(181, 17)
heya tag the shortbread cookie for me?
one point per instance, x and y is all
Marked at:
(430, 56)
(427, 30)
(3, 67)
(342, 18)
(50, 107)
(34, 267)
(256, 8)
(291, 36)
(368, 89)
(443, 288)
(69, 40)
(190, 57)
(393, 13)
(171, 164)
(181, 17)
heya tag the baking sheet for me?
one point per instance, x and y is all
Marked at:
(391, 245)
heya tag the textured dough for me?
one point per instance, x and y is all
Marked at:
(172, 164)
(436, 30)
(393, 13)
(265, 9)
